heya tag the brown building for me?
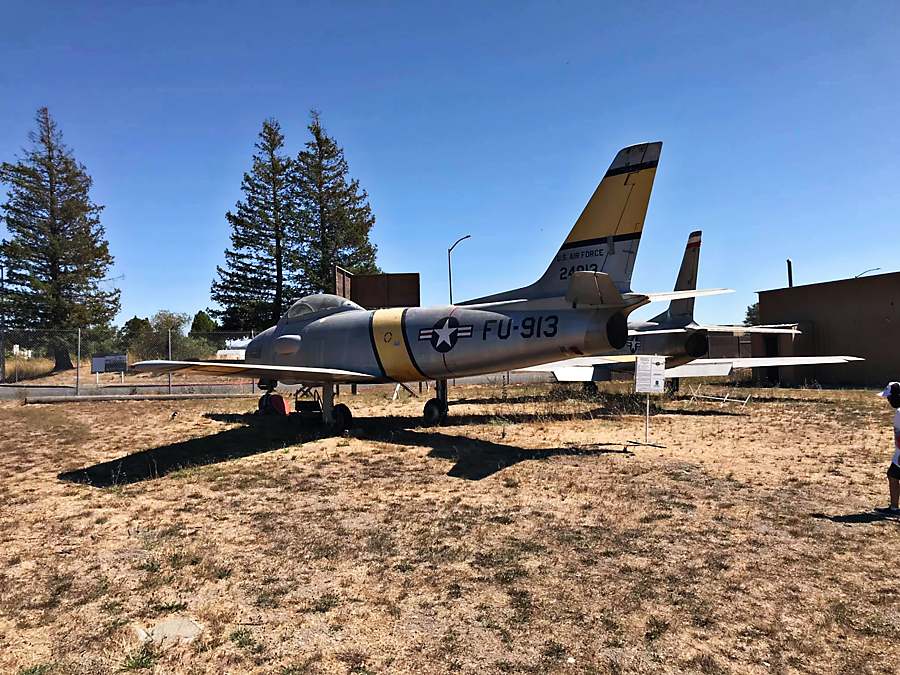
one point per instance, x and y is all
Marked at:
(852, 317)
(378, 291)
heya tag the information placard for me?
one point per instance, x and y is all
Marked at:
(650, 375)
(109, 363)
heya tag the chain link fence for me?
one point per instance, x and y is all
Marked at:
(68, 361)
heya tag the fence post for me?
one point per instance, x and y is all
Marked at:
(2, 349)
(170, 358)
(78, 366)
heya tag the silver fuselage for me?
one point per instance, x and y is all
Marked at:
(414, 344)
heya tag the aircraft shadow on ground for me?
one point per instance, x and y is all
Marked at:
(473, 458)
(256, 436)
(702, 412)
(601, 411)
(860, 518)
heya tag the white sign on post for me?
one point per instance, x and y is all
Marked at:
(649, 378)
(650, 375)
(109, 363)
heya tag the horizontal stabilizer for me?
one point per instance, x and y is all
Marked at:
(680, 295)
(287, 374)
(595, 289)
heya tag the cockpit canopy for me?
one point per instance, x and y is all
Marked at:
(319, 303)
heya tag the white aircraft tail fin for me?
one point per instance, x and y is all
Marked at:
(606, 235)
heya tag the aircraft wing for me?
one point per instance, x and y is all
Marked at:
(580, 362)
(287, 374)
(711, 367)
(777, 329)
(582, 369)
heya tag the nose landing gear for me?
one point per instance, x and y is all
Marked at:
(308, 405)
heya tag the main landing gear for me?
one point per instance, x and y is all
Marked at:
(436, 409)
(308, 405)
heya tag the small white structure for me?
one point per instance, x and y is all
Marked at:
(234, 350)
(21, 353)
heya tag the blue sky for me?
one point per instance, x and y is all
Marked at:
(490, 119)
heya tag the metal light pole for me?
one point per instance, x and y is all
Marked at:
(2, 324)
(170, 358)
(874, 269)
(450, 266)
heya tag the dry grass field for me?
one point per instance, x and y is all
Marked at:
(518, 538)
(40, 372)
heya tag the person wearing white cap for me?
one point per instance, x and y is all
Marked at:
(892, 394)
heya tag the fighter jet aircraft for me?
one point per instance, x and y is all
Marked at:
(684, 342)
(578, 307)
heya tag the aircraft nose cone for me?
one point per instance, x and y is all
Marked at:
(258, 348)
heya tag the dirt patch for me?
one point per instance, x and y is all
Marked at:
(521, 537)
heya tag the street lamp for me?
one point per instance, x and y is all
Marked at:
(450, 267)
(874, 269)
(2, 324)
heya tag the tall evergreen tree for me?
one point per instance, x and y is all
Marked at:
(334, 213)
(751, 317)
(202, 323)
(257, 282)
(56, 253)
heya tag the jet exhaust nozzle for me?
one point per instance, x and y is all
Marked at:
(607, 332)
(617, 330)
(697, 345)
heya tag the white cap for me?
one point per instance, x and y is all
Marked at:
(887, 389)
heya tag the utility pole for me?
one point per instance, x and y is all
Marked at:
(450, 266)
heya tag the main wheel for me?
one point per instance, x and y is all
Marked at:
(435, 412)
(342, 418)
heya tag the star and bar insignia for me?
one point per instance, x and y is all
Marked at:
(445, 334)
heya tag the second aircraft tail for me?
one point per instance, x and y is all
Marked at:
(681, 311)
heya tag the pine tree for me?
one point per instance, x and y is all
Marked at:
(335, 214)
(257, 282)
(202, 323)
(751, 317)
(56, 255)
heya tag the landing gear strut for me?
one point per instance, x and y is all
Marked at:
(436, 409)
(337, 418)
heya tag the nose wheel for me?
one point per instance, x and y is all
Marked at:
(309, 407)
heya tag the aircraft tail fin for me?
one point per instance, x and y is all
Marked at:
(681, 311)
(606, 235)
